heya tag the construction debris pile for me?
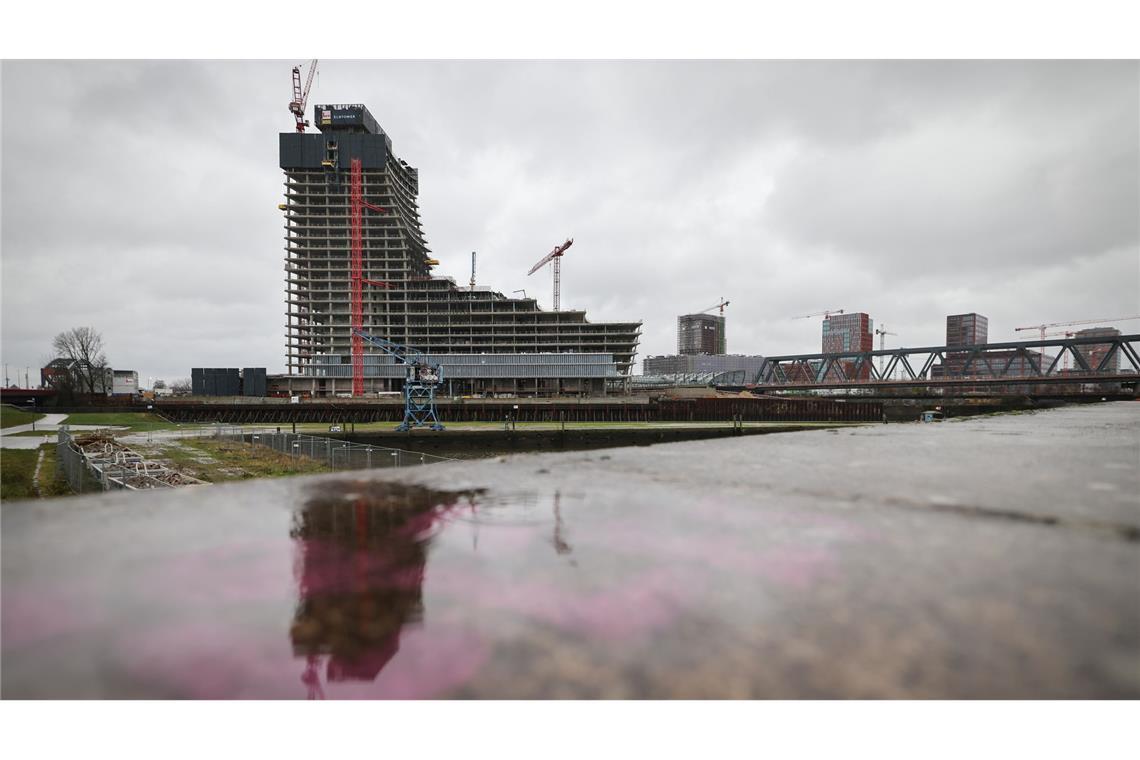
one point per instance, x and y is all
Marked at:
(117, 466)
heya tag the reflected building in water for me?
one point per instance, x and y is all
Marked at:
(361, 553)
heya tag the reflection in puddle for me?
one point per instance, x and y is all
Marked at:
(361, 551)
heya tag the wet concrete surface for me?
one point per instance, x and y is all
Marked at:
(985, 558)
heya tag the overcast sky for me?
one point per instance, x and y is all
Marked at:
(141, 198)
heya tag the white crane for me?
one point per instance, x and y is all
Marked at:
(883, 333)
(825, 314)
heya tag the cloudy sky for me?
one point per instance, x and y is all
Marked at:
(141, 197)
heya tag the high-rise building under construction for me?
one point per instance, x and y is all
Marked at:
(701, 334)
(400, 299)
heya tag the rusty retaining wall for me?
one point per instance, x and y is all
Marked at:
(656, 410)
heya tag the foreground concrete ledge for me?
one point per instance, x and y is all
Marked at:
(993, 557)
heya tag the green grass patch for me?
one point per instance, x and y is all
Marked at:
(136, 422)
(17, 468)
(52, 480)
(218, 461)
(17, 472)
(11, 416)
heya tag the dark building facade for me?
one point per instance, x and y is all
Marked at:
(228, 381)
(701, 334)
(966, 329)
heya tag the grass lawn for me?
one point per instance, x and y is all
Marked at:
(220, 461)
(52, 480)
(17, 466)
(138, 422)
(10, 416)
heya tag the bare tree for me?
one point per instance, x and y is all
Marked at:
(83, 347)
(181, 386)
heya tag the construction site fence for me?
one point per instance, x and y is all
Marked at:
(80, 476)
(334, 453)
(91, 463)
(770, 409)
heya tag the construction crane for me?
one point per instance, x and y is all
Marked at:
(720, 306)
(556, 256)
(825, 314)
(1043, 328)
(420, 383)
(883, 333)
(301, 97)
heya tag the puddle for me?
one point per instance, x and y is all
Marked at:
(346, 588)
(362, 551)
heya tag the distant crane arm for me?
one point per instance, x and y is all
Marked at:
(720, 306)
(552, 255)
(1078, 322)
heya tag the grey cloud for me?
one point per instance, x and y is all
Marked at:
(140, 197)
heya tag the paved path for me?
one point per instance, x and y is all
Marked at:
(49, 424)
(992, 557)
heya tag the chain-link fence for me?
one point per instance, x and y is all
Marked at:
(80, 476)
(97, 462)
(335, 453)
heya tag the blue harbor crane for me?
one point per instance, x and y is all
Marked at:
(422, 379)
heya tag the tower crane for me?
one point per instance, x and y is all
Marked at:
(720, 306)
(825, 314)
(556, 257)
(1043, 328)
(301, 97)
(883, 333)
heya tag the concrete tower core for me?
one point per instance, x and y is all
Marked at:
(419, 310)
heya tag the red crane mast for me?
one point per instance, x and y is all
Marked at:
(301, 96)
(357, 205)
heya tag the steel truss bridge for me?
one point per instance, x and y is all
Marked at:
(989, 364)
